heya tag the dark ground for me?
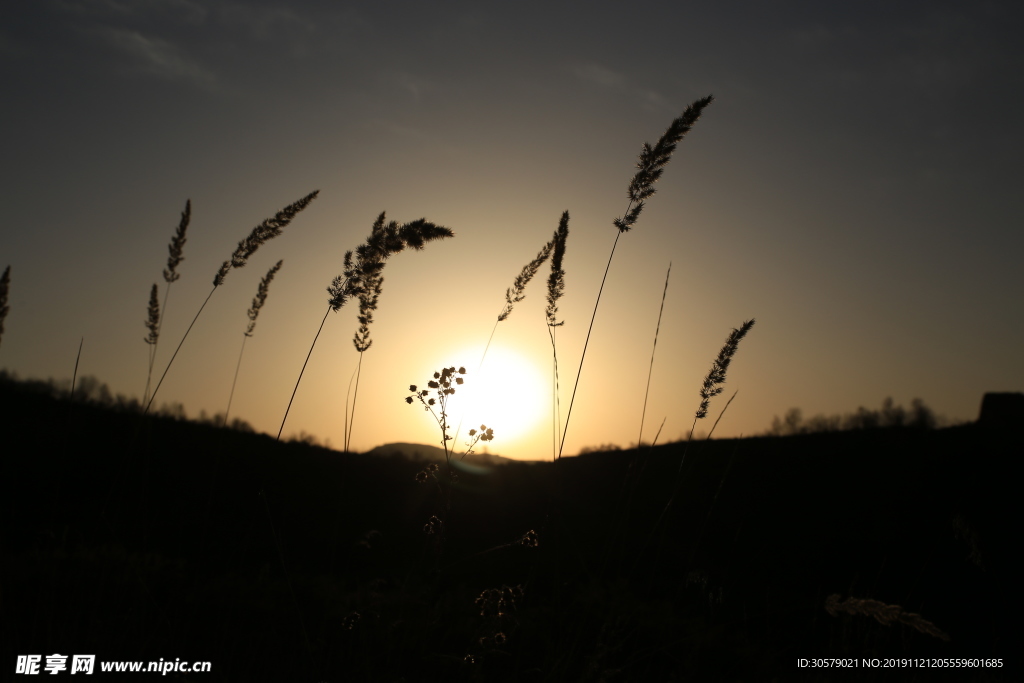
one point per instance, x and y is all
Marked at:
(142, 539)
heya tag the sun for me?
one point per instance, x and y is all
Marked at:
(507, 393)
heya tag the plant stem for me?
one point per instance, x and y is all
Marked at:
(232, 394)
(175, 355)
(568, 415)
(349, 424)
(75, 375)
(650, 370)
(556, 404)
(478, 366)
(300, 373)
(348, 393)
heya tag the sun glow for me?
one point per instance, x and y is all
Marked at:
(508, 394)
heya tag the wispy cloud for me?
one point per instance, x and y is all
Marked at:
(415, 86)
(597, 74)
(280, 25)
(158, 57)
(610, 80)
(188, 11)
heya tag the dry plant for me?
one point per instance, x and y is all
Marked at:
(517, 292)
(153, 325)
(362, 278)
(74, 375)
(710, 387)
(883, 614)
(175, 251)
(650, 370)
(253, 313)
(649, 169)
(443, 385)
(556, 288)
(713, 381)
(263, 232)
(5, 285)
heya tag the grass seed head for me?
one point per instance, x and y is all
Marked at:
(556, 280)
(515, 293)
(716, 376)
(153, 317)
(261, 298)
(653, 161)
(883, 614)
(267, 230)
(175, 248)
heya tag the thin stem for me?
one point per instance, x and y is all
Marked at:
(721, 414)
(75, 375)
(568, 415)
(679, 472)
(355, 394)
(153, 397)
(232, 394)
(300, 374)
(478, 366)
(655, 442)
(650, 370)
(348, 393)
(556, 403)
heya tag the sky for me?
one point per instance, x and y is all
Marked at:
(854, 188)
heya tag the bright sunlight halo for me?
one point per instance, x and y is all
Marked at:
(507, 393)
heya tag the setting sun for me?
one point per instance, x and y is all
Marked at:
(508, 393)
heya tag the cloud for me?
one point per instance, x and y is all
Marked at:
(188, 11)
(266, 23)
(598, 75)
(158, 57)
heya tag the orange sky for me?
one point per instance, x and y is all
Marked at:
(853, 188)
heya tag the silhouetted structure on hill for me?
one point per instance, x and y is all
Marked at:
(1004, 409)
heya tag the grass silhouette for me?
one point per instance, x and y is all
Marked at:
(5, 286)
(649, 169)
(253, 313)
(362, 278)
(655, 563)
(263, 232)
(175, 255)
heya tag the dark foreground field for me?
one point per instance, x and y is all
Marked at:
(138, 539)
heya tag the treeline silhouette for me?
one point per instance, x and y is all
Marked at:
(90, 390)
(918, 416)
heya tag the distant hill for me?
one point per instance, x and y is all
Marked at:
(417, 452)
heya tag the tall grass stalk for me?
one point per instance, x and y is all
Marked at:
(362, 277)
(649, 169)
(5, 286)
(253, 313)
(153, 325)
(650, 370)
(368, 290)
(175, 255)
(74, 375)
(710, 387)
(556, 288)
(350, 419)
(263, 232)
(513, 295)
